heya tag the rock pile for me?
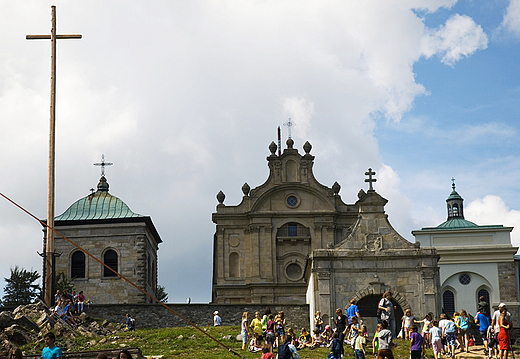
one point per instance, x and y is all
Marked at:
(29, 323)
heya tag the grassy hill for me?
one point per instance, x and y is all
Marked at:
(187, 342)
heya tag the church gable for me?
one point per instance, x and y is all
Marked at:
(373, 231)
(292, 198)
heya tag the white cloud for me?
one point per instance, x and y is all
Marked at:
(493, 210)
(459, 37)
(511, 21)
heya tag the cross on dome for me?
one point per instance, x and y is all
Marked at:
(370, 180)
(103, 164)
(453, 183)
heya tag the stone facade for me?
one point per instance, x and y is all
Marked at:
(261, 245)
(102, 225)
(373, 259)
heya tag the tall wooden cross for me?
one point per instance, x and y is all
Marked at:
(49, 250)
(370, 180)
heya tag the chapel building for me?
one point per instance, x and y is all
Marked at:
(125, 241)
(475, 261)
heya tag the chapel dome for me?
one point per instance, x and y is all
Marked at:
(97, 205)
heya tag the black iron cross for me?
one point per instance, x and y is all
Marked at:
(370, 180)
(103, 164)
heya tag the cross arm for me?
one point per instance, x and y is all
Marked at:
(47, 37)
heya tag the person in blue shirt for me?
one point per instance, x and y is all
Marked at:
(353, 311)
(483, 322)
(51, 351)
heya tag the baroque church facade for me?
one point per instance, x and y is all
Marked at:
(293, 240)
(125, 241)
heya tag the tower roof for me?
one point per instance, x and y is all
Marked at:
(98, 205)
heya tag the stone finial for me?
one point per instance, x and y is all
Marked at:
(246, 189)
(307, 147)
(361, 194)
(290, 143)
(221, 197)
(336, 187)
(273, 147)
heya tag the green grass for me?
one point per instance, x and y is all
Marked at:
(164, 342)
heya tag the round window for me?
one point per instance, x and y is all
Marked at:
(294, 271)
(464, 279)
(292, 201)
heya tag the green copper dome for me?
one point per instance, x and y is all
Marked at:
(98, 205)
(456, 223)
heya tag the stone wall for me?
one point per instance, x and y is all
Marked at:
(156, 316)
(507, 287)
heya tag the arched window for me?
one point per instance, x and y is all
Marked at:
(77, 265)
(483, 293)
(455, 210)
(449, 210)
(234, 268)
(448, 302)
(110, 259)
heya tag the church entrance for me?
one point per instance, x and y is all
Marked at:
(368, 310)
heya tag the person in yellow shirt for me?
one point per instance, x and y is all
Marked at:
(256, 324)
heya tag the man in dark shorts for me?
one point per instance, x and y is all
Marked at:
(483, 322)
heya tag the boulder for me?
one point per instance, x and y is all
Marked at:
(239, 337)
(18, 335)
(6, 320)
(24, 321)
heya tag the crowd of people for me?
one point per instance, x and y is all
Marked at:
(445, 335)
(68, 306)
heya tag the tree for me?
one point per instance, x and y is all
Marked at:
(62, 283)
(20, 288)
(161, 294)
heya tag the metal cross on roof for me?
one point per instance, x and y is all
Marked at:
(370, 180)
(289, 124)
(103, 164)
(453, 183)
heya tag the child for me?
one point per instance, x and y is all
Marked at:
(385, 342)
(471, 340)
(318, 322)
(81, 302)
(426, 330)
(256, 324)
(463, 324)
(266, 350)
(436, 336)
(280, 328)
(304, 338)
(326, 335)
(375, 342)
(336, 346)
(256, 343)
(415, 343)
(407, 323)
(359, 345)
(354, 331)
(492, 342)
(316, 339)
(51, 351)
(450, 334)
(270, 336)
(294, 340)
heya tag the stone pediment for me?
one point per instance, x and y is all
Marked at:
(372, 231)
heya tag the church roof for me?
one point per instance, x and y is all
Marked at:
(459, 223)
(98, 205)
(453, 194)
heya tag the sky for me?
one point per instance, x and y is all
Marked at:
(184, 97)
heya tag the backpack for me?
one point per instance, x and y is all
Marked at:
(284, 352)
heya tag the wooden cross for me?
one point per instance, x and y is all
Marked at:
(103, 164)
(49, 249)
(370, 180)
